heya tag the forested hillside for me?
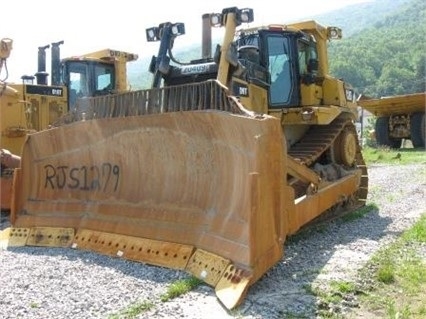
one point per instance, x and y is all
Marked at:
(354, 18)
(387, 58)
(382, 52)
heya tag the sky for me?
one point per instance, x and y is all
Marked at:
(90, 25)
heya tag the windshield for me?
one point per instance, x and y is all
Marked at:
(88, 78)
(104, 78)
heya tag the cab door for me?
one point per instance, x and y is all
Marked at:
(284, 88)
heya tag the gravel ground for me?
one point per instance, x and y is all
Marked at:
(66, 283)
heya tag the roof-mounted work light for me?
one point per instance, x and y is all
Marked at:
(334, 33)
(156, 33)
(242, 16)
(178, 29)
(216, 19)
(245, 15)
(153, 34)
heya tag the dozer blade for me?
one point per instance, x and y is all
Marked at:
(14, 237)
(36, 236)
(50, 236)
(154, 252)
(232, 286)
(199, 190)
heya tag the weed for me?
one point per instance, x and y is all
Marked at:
(386, 274)
(132, 311)
(359, 213)
(34, 304)
(343, 286)
(180, 287)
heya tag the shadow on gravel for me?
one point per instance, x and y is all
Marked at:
(4, 220)
(285, 291)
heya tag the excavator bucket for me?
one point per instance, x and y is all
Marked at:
(201, 191)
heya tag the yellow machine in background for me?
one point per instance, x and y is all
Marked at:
(9, 161)
(398, 117)
(212, 168)
(30, 107)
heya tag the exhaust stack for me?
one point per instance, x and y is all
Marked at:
(41, 74)
(206, 49)
(56, 60)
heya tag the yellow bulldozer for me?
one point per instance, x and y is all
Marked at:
(211, 169)
(29, 107)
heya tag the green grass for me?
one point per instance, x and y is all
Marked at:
(392, 284)
(133, 310)
(359, 213)
(180, 287)
(398, 275)
(175, 290)
(343, 286)
(386, 272)
(34, 305)
(417, 232)
(385, 155)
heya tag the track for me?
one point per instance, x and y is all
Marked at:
(318, 139)
(323, 139)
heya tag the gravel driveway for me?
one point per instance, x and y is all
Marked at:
(66, 283)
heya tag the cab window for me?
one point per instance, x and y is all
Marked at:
(279, 70)
(104, 78)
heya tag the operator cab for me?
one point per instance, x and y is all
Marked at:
(87, 78)
(288, 58)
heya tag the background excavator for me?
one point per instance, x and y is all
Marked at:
(29, 107)
(209, 170)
